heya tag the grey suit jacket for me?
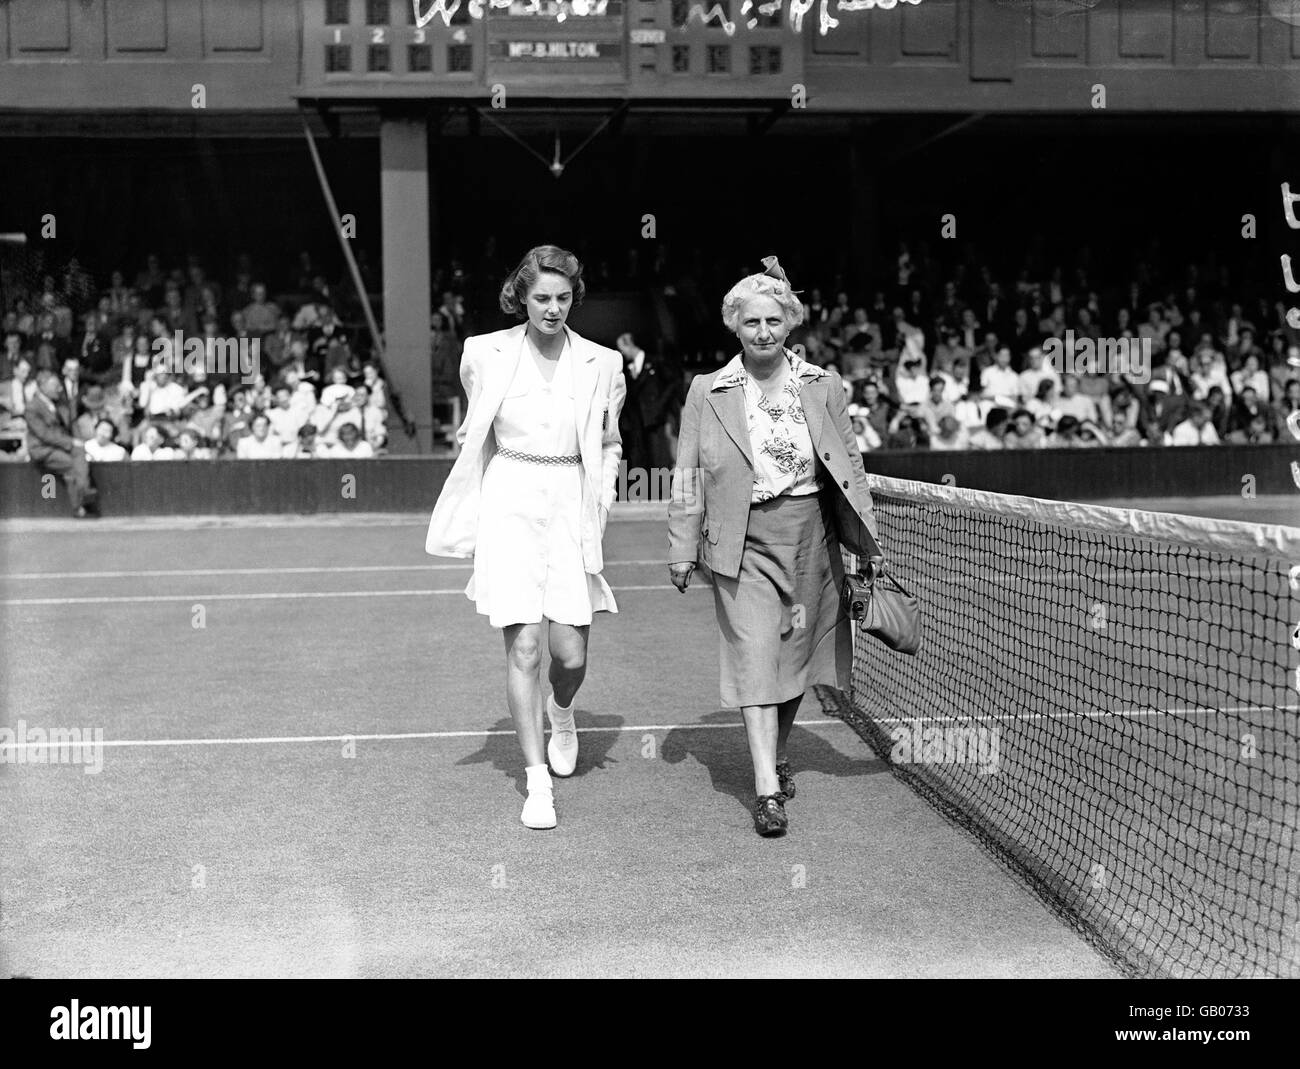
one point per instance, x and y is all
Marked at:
(714, 477)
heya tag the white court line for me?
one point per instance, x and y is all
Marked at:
(191, 572)
(276, 739)
(145, 599)
(271, 740)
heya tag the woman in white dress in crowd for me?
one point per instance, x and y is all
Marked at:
(528, 499)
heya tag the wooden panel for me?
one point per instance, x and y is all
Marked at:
(993, 37)
(235, 25)
(1059, 30)
(1146, 29)
(1232, 29)
(930, 30)
(39, 26)
(136, 25)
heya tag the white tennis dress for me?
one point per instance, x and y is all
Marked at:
(528, 556)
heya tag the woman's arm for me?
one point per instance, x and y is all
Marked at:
(686, 509)
(611, 442)
(868, 542)
(470, 379)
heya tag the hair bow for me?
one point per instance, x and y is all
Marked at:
(773, 269)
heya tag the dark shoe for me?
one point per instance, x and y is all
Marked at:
(769, 814)
(786, 777)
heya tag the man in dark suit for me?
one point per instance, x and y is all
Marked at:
(94, 351)
(51, 445)
(653, 399)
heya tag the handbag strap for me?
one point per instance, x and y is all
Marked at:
(869, 576)
(865, 571)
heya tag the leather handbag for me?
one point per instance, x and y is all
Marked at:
(892, 614)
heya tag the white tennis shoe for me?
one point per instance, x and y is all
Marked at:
(562, 750)
(539, 806)
(539, 809)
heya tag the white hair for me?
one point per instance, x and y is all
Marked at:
(760, 286)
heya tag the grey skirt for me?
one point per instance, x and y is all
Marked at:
(782, 626)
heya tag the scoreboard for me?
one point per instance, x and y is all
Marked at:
(425, 49)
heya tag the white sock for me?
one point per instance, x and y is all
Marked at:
(539, 777)
(558, 713)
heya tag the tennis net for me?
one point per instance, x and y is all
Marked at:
(1107, 699)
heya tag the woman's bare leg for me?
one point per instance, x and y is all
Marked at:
(761, 729)
(524, 689)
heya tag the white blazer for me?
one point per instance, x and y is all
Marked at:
(487, 368)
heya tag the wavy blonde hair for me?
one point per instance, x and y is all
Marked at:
(760, 286)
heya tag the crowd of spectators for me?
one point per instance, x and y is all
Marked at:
(979, 364)
(940, 357)
(951, 356)
(303, 389)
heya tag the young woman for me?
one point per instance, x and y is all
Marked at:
(528, 499)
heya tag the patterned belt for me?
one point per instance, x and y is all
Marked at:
(532, 458)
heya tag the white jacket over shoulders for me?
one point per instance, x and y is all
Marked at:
(487, 369)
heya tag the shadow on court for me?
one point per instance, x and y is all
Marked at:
(725, 755)
(502, 751)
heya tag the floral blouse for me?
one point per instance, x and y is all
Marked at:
(782, 448)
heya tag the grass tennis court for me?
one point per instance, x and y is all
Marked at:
(229, 834)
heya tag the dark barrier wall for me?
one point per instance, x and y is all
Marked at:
(1096, 474)
(412, 484)
(220, 487)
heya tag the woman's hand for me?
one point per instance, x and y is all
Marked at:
(680, 574)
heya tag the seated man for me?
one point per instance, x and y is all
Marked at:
(371, 419)
(993, 435)
(998, 383)
(1122, 433)
(937, 405)
(51, 445)
(951, 435)
(102, 449)
(1025, 433)
(1074, 403)
(306, 447)
(350, 444)
(14, 394)
(1196, 429)
(260, 444)
(189, 447)
(153, 446)
(1258, 432)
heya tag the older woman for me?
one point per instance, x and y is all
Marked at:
(769, 485)
(528, 499)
